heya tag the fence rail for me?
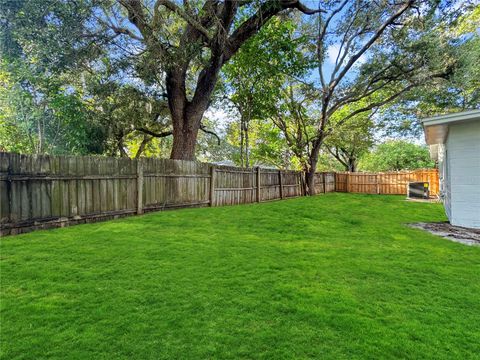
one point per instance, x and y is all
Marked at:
(52, 191)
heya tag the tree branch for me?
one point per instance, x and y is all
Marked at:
(377, 104)
(180, 12)
(368, 90)
(137, 17)
(153, 133)
(119, 30)
(253, 24)
(296, 4)
(206, 131)
(370, 42)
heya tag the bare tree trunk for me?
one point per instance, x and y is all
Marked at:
(121, 147)
(352, 166)
(247, 156)
(41, 131)
(40, 137)
(141, 148)
(312, 167)
(241, 142)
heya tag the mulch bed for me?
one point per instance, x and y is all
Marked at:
(455, 233)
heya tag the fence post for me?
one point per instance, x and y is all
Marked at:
(348, 182)
(258, 183)
(378, 185)
(212, 185)
(139, 186)
(280, 181)
(324, 182)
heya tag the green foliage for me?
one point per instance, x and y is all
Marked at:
(40, 115)
(254, 81)
(267, 145)
(336, 276)
(72, 81)
(213, 149)
(396, 155)
(456, 41)
(326, 162)
(349, 140)
(47, 113)
(49, 34)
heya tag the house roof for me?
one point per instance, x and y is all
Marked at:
(436, 127)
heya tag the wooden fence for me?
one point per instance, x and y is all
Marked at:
(51, 191)
(385, 183)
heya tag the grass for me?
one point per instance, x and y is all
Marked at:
(338, 276)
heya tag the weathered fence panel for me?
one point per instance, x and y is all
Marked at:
(293, 184)
(49, 191)
(385, 183)
(324, 182)
(233, 186)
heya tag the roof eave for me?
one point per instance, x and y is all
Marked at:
(451, 118)
(436, 127)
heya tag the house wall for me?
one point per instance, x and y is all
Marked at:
(462, 172)
(444, 183)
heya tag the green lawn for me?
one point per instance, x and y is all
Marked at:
(337, 276)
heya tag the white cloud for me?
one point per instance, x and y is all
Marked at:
(332, 53)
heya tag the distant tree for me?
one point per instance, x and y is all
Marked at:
(40, 115)
(351, 139)
(133, 120)
(396, 155)
(295, 115)
(254, 77)
(44, 112)
(267, 145)
(212, 144)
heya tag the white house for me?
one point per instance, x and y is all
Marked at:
(454, 141)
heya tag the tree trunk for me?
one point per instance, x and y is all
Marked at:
(185, 117)
(312, 167)
(352, 166)
(40, 136)
(120, 146)
(187, 114)
(247, 155)
(184, 143)
(241, 142)
(310, 176)
(310, 180)
(143, 144)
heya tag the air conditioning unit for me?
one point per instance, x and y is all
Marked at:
(418, 190)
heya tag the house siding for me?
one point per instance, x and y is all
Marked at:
(444, 181)
(462, 174)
